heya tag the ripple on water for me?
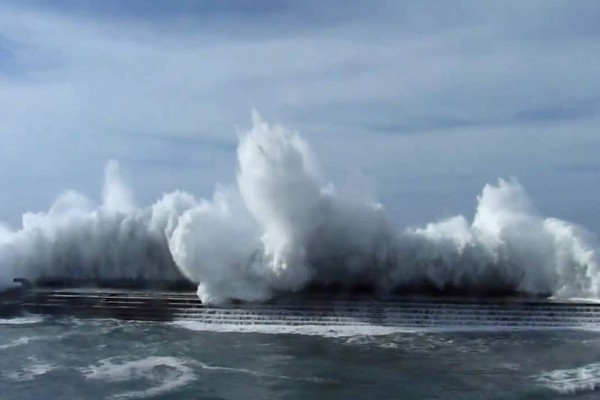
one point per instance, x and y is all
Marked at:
(17, 342)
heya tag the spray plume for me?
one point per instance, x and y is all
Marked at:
(282, 229)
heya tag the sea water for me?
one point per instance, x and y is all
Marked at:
(69, 358)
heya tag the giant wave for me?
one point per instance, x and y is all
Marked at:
(283, 228)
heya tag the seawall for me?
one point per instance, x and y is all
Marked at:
(318, 310)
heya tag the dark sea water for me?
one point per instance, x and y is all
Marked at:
(108, 359)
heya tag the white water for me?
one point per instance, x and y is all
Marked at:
(572, 381)
(282, 227)
(31, 369)
(304, 329)
(162, 374)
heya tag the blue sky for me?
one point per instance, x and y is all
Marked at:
(429, 100)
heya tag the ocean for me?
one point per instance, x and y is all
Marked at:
(72, 358)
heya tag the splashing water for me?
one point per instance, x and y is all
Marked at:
(282, 228)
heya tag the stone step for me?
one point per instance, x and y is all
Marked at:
(312, 310)
(326, 307)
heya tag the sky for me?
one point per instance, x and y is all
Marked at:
(425, 101)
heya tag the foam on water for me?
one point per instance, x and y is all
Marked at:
(307, 329)
(357, 330)
(255, 373)
(22, 320)
(282, 227)
(572, 381)
(163, 374)
(31, 370)
(17, 342)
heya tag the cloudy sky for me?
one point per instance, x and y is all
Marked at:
(425, 100)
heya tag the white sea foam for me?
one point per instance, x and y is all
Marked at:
(17, 342)
(21, 320)
(358, 330)
(31, 370)
(164, 374)
(571, 381)
(328, 331)
(282, 226)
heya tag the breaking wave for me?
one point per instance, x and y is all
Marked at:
(283, 228)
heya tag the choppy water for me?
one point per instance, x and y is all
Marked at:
(109, 359)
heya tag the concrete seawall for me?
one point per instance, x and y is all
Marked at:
(315, 310)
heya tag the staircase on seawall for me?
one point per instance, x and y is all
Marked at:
(409, 312)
